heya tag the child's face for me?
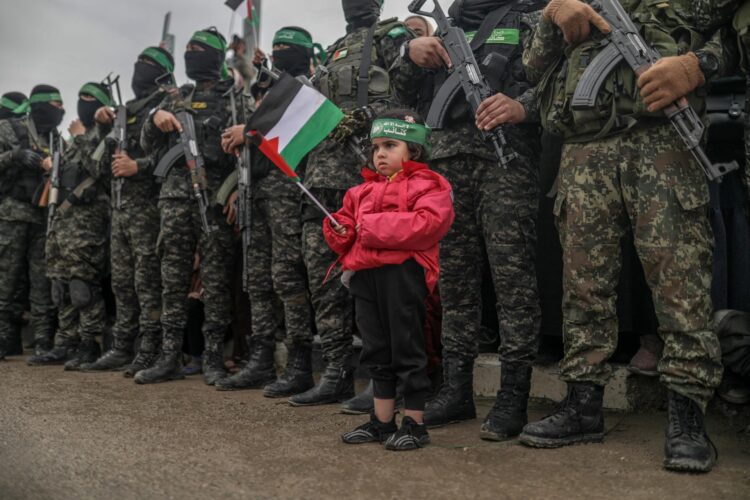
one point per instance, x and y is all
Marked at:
(388, 155)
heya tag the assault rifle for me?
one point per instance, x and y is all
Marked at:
(119, 133)
(54, 179)
(188, 148)
(244, 190)
(464, 75)
(626, 43)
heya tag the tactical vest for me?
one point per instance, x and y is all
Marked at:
(499, 59)
(23, 182)
(344, 59)
(73, 173)
(619, 105)
(211, 115)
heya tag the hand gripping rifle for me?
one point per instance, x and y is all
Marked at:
(188, 148)
(244, 190)
(54, 179)
(626, 43)
(119, 133)
(464, 75)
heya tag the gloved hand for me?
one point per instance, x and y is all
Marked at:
(669, 79)
(27, 158)
(356, 122)
(574, 18)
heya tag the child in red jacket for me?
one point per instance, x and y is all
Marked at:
(387, 238)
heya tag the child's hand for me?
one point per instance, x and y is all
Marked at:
(340, 230)
(356, 228)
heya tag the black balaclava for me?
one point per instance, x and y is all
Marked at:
(87, 109)
(294, 60)
(361, 13)
(206, 65)
(10, 101)
(469, 14)
(145, 74)
(46, 116)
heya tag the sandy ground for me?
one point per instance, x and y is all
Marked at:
(78, 436)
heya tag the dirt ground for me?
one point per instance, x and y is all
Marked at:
(78, 436)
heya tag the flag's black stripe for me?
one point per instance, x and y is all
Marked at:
(274, 105)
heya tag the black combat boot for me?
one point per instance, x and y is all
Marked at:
(213, 367)
(454, 401)
(15, 344)
(257, 373)
(167, 367)
(335, 385)
(58, 355)
(88, 351)
(579, 418)
(508, 415)
(361, 404)
(297, 376)
(142, 361)
(42, 345)
(687, 447)
(114, 359)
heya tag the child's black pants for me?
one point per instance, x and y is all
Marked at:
(390, 312)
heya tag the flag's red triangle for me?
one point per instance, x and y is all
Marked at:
(270, 148)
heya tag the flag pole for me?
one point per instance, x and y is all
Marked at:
(298, 181)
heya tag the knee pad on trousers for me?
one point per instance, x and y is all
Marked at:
(57, 291)
(80, 293)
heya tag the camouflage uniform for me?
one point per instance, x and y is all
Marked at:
(136, 280)
(276, 265)
(496, 211)
(332, 169)
(77, 244)
(607, 187)
(22, 237)
(181, 233)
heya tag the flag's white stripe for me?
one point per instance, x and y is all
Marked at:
(297, 114)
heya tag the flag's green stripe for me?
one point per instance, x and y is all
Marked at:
(312, 133)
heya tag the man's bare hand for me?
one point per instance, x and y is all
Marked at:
(428, 52)
(123, 165)
(76, 128)
(104, 115)
(166, 121)
(47, 164)
(233, 138)
(499, 109)
(258, 57)
(230, 208)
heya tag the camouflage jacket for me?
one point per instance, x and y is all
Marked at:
(210, 106)
(330, 165)
(672, 27)
(141, 187)
(19, 207)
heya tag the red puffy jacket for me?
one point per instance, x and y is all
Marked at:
(398, 220)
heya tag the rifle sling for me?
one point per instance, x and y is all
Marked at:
(488, 25)
(363, 80)
(77, 192)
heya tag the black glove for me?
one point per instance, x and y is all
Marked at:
(355, 123)
(27, 158)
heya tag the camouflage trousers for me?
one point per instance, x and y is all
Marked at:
(22, 269)
(275, 264)
(136, 278)
(77, 248)
(496, 211)
(645, 182)
(180, 237)
(330, 299)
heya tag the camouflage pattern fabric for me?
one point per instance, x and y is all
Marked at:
(22, 239)
(606, 188)
(136, 274)
(276, 263)
(330, 299)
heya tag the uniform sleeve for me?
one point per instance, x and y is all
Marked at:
(345, 216)
(531, 104)
(406, 77)
(420, 229)
(153, 139)
(545, 47)
(8, 143)
(721, 53)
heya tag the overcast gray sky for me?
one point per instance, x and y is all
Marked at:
(66, 43)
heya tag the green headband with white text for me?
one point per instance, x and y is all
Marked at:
(400, 130)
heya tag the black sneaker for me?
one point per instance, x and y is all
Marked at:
(373, 431)
(410, 436)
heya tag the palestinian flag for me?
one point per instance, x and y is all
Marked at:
(292, 119)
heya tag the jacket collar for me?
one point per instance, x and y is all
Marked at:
(409, 168)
